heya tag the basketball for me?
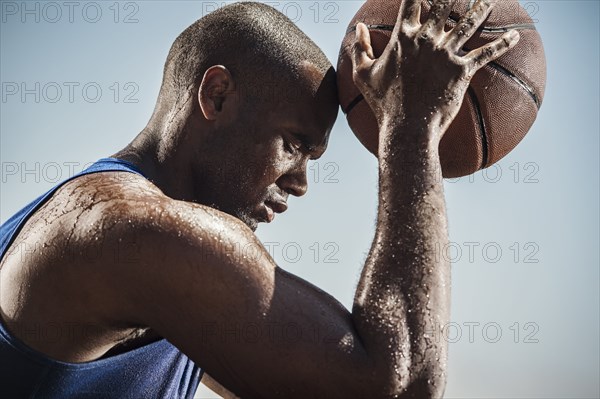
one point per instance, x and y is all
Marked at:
(501, 102)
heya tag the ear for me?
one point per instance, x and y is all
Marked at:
(216, 88)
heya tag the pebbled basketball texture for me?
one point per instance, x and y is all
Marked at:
(500, 105)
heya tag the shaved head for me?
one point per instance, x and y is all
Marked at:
(266, 53)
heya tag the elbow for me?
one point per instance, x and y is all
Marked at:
(413, 376)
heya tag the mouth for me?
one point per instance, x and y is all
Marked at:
(273, 207)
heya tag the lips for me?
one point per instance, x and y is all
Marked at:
(268, 214)
(273, 207)
(277, 206)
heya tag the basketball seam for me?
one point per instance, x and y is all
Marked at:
(484, 138)
(353, 104)
(519, 81)
(485, 29)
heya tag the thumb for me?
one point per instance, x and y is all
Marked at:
(362, 54)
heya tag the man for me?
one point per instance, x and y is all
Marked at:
(246, 101)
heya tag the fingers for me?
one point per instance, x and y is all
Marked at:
(483, 55)
(440, 11)
(409, 14)
(468, 24)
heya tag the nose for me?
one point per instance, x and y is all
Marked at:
(295, 182)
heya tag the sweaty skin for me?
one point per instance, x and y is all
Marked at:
(138, 259)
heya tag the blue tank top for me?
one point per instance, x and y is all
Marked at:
(156, 370)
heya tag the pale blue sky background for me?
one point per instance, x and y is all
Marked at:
(524, 235)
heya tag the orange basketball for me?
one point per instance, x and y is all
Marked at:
(500, 105)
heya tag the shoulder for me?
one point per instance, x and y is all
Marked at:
(129, 208)
(125, 205)
(154, 249)
(126, 217)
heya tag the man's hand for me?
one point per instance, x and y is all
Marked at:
(423, 72)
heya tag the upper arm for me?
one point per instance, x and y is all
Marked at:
(206, 283)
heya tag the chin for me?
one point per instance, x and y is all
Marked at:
(248, 220)
(251, 223)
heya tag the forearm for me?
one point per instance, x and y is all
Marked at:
(404, 291)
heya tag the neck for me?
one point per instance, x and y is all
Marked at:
(165, 150)
(159, 157)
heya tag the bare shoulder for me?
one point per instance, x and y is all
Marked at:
(131, 210)
(118, 205)
(139, 226)
(145, 239)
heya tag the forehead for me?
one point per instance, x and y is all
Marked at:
(309, 105)
(312, 76)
